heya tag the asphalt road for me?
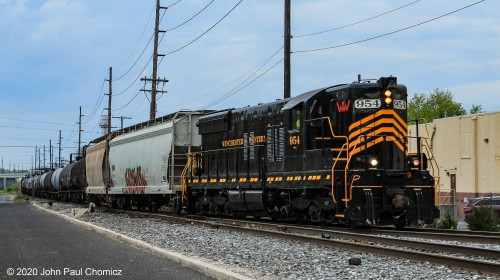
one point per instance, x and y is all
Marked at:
(47, 247)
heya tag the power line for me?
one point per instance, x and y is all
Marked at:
(174, 4)
(143, 50)
(236, 90)
(98, 103)
(196, 39)
(390, 33)
(131, 67)
(72, 133)
(357, 22)
(256, 68)
(173, 28)
(31, 128)
(138, 92)
(31, 121)
(137, 43)
(23, 139)
(135, 80)
(95, 126)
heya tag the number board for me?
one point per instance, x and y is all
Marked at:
(399, 104)
(367, 104)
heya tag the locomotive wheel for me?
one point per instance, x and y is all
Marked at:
(212, 208)
(228, 211)
(314, 213)
(400, 222)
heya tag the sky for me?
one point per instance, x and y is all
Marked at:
(55, 57)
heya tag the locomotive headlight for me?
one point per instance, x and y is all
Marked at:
(373, 162)
(415, 162)
(388, 93)
(387, 100)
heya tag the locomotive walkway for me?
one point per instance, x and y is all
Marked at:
(34, 242)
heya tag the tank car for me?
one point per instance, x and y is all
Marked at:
(42, 192)
(78, 181)
(65, 182)
(336, 154)
(37, 186)
(48, 184)
(30, 185)
(55, 181)
(24, 186)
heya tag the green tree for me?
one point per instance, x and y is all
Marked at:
(476, 109)
(434, 105)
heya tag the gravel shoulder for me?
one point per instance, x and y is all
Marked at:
(261, 257)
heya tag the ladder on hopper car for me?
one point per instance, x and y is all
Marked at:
(181, 148)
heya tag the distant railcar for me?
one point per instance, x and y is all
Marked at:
(55, 181)
(97, 171)
(78, 181)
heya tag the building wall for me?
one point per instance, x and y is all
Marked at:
(467, 150)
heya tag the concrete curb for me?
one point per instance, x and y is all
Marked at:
(203, 267)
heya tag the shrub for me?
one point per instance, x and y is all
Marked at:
(483, 219)
(447, 222)
(14, 188)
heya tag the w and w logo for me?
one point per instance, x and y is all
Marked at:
(343, 106)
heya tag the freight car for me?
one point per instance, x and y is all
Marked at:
(141, 166)
(336, 154)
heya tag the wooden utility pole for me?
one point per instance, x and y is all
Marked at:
(80, 131)
(50, 153)
(36, 153)
(44, 156)
(60, 165)
(110, 94)
(154, 80)
(121, 120)
(288, 37)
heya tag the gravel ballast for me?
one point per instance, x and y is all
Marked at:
(261, 257)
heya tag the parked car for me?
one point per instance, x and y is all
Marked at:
(487, 201)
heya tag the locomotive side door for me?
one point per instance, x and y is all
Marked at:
(294, 136)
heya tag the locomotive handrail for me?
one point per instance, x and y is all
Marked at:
(434, 167)
(344, 146)
(346, 199)
(354, 179)
(333, 170)
(183, 176)
(434, 164)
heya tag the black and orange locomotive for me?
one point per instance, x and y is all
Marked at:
(337, 154)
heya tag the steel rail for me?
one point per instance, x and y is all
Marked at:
(461, 236)
(440, 231)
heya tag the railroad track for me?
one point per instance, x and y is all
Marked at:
(439, 234)
(461, 257)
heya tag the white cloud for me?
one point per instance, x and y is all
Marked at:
(485, 93)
